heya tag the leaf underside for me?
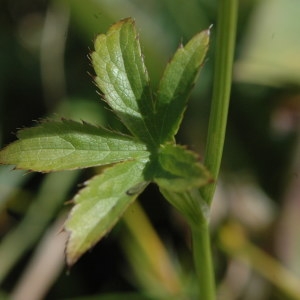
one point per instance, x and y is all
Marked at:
(66, 145)
(100, 204)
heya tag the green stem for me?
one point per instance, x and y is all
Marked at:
(224, 52)
(203, 261)
(225, 44)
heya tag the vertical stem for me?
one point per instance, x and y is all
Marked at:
(225, 44)
(224, 52)
(203, 261)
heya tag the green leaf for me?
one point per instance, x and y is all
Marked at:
(179, 169)
(100, 205)
(66, 145)
(190, 204)
(122, 78)
(176, 84)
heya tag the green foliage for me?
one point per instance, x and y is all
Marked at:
(123, 78)
(67, 145)
(179, 169)
(100, 204)
(176, 84)
(146, 156)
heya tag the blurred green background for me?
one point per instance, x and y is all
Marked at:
(45, 72)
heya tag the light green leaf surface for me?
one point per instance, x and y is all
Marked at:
(54, 146)
(122, 78)
(100, 205)
(176, 84)
(179, 169)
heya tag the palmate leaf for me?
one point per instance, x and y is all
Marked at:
(147, 156)
(66, 145)
(176, 84)
(179, 170)
(100, 205)
(123, 79)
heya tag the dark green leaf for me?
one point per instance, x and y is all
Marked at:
(179, 169)
(176, 84)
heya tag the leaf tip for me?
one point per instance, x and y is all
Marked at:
(126, 21)
(70, 254)
(69, 258)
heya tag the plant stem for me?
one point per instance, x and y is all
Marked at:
(203, 261)
(224, 52)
